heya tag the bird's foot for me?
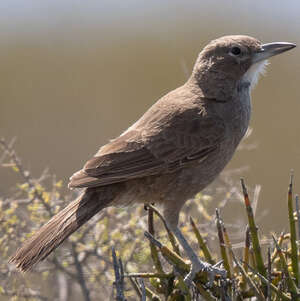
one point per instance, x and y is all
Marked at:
(196, 264)
(201, 266)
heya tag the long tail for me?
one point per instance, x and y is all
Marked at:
(60, 227)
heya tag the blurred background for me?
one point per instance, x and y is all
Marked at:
(74, 74)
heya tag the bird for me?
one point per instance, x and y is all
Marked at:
(175, 150)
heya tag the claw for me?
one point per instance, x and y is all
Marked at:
(196, 264)
(218, 264)
(200, 266)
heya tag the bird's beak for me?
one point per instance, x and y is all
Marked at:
(271, 49)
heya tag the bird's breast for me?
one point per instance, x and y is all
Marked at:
(239, 114)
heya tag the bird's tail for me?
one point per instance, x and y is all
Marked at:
(60, 227)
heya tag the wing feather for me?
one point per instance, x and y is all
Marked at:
(181, 140)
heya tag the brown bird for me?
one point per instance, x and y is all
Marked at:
(172, 152)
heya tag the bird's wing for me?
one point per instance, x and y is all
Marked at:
(180, 140)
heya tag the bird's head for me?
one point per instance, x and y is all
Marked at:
(232, 61)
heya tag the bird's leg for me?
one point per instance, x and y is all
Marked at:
(196, 264)
(171, 215)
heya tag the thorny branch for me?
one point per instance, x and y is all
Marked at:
(87, 255)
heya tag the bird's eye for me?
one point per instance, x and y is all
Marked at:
(235, 50)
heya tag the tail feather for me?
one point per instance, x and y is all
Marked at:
(59, 228)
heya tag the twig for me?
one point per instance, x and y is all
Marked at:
(280, 241)
(80, 276)
(277, 289)
(201, 243)
(298, 214)
(293, 237)
(143, 289)
(154, 253)
(135, 286)
(222, 243)
(10, 146)
(119, 276)
(59, 266)
(172, 257)
(170, 234)
(269, 295)
(32, 295)
(253, 231)
(247, 248)
(8, 149)
(148, 275)
(251, 283)
(291, 284)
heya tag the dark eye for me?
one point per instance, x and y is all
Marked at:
(235, 50)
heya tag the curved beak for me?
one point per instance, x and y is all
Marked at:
(271, 49)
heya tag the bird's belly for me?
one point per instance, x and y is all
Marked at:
(180, 185)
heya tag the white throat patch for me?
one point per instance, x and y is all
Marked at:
(252, 75)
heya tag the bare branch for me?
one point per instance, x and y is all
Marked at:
(119, 276)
